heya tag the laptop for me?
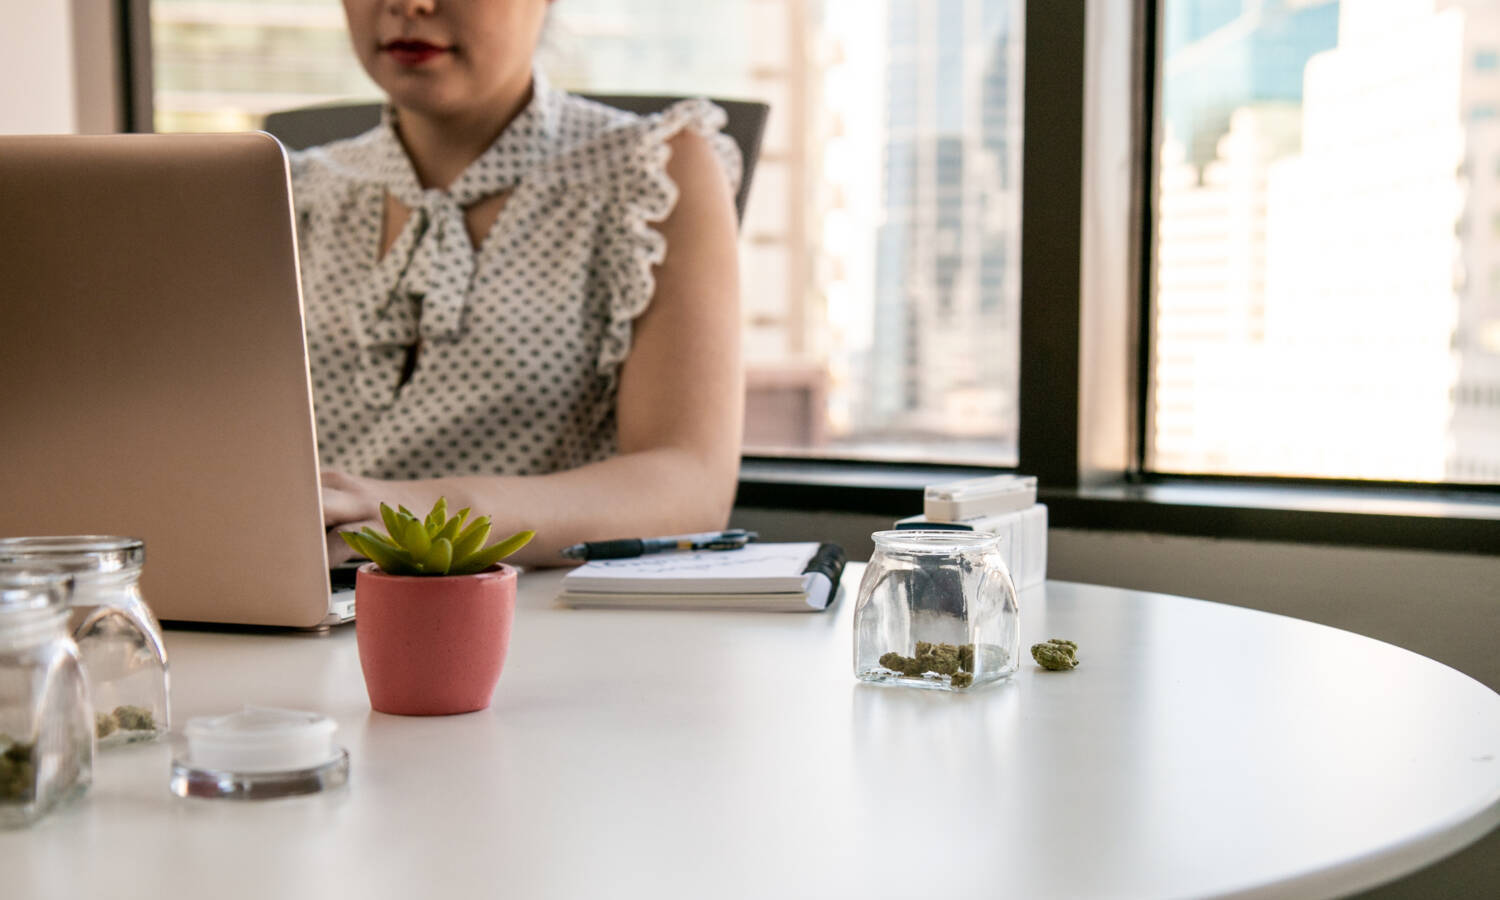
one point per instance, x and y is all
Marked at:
(154, 369)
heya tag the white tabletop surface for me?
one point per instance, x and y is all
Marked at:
(1198, 750)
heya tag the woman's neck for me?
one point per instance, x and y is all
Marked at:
(442, 146)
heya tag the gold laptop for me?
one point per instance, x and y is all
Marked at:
(154, 368)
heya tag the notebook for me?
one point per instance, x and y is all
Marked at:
(791, 577)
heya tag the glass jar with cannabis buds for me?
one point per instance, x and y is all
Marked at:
(119, 640)
(46, 742)
(936, 609)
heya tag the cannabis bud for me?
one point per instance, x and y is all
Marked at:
(955, 661)
(1056, 654)
(17, 772)
(436, 545)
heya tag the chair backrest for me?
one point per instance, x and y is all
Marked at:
(309, 126)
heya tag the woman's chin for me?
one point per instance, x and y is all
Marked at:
(438, 104)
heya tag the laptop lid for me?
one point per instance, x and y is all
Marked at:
(154, 367)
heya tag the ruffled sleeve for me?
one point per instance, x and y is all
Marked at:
(647, 195)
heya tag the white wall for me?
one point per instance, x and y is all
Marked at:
(37, 95)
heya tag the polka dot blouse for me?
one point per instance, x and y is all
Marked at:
(444, 359)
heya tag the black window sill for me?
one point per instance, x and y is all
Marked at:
(1361, 516)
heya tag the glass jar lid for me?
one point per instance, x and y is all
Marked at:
(259, 753)
(81, 554)
(257, 739)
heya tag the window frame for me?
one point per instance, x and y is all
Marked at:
(1090, 110)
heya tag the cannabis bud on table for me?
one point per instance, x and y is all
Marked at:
(1055, 654)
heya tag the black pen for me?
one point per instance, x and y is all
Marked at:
(624, 548)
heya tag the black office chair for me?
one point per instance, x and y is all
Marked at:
(309, 126)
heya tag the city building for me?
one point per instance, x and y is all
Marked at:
(1221, 55)
(1374, 245)
(943, 362)
(1209, 330)
(1328, 284)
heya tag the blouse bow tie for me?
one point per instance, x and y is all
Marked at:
(421, 283)
(418, 290)
(420, 286)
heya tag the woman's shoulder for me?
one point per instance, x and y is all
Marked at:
(334, 169)
(599, 141)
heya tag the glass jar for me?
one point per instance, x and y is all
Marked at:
(936, 609)
(119, 640)
(46, 732)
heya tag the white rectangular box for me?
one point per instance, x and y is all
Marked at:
(991, 495)
(1023, 540)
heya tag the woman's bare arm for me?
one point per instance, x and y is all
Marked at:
(680, 407)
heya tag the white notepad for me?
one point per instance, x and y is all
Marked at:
(755, 568)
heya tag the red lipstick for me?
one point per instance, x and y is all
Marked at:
(411, 53)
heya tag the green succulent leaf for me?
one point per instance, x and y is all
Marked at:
(415, 540)
(471, 538)
(437, 518)
(390, 560)
(449, 531)
(487, 557)
(371, 534)
(388, 516)
(439, 558)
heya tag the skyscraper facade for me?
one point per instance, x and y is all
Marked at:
(1328, 287)
(943, 359)
(1224, 54)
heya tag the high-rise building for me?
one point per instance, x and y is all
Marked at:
(1473, 452)
(1372, 243)
(1221, 55)
(943, 363)
(1329, 289)
(1209, 331)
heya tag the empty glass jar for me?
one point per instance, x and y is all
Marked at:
(119, 640)
(46, 732)
(936, 609)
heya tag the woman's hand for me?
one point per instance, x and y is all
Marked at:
(349, 504)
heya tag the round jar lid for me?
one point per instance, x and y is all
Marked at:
(257, 739)
(259, 753)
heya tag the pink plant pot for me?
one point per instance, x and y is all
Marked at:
(432, 646)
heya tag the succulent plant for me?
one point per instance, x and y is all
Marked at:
(435, 545)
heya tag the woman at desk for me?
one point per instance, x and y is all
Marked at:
(516, 298)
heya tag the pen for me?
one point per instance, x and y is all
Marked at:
(624, 548)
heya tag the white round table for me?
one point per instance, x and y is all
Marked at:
(1199, 750)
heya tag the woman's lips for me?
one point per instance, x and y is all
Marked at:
(412, 53)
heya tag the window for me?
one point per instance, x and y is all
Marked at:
(881, 309)
(1319, 288)
(854, 165)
